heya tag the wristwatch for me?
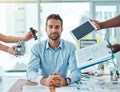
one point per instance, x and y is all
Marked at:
(68, 81)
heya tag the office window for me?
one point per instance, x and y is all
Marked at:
(104, 12)
(73, 15)
(15, 20)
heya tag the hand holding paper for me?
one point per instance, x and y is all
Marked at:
(93, 54)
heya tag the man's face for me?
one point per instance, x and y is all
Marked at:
(54, 29)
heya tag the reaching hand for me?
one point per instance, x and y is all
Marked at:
(96, 23)
(29, 36)
(115, 48)
(12, 51)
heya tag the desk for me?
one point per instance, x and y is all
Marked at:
(18, 86)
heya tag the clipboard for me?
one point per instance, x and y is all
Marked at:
(93, 54)
(82, 30)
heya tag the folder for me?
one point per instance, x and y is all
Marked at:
(93, 54)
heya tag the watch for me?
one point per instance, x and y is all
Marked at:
(68, 81)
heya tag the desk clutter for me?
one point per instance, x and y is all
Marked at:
(79, 87)
(104, 84)
(86, 84)
(107, 86)
(91, 84)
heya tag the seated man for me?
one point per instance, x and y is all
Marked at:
(51, 59)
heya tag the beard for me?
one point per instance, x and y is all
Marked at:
(54, 36)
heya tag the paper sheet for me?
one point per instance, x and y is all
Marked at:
(35, 89)
(67, 89)
(93, 54)
(84, 87)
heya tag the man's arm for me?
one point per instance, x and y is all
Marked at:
(7, 49)
(113, 22)
(34, 71)
(12, 39)
(74, 75)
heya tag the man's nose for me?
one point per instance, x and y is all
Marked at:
(53, 29)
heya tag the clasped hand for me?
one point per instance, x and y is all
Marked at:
(54, 80)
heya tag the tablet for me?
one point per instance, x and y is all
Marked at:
(83, 30)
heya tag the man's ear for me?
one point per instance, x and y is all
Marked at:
(46, 29)
(61, 29)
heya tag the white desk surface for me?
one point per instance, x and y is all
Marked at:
(92, 84)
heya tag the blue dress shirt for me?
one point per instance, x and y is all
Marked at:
(45, 61)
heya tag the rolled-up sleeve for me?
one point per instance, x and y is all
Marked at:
(33, 69)
(74, 75)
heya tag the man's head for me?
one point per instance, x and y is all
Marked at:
(54, 26)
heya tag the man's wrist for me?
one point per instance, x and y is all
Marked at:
(68, 81)
(42, 81)
(23, 39)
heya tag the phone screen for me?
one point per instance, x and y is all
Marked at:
(83, 30)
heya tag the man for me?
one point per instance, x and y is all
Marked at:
(11, 39)
(50, 59)
(113, 22)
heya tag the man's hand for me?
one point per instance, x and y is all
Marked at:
(12, 51)
(96, 23)
(28, 36)
(48, 81)
(115, 48)
(54, 80)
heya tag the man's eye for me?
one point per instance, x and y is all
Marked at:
(50, 27)
(57, 27)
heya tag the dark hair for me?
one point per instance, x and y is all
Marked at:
(54, 16)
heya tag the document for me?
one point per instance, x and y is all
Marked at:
(83, 30)
(35, 89)
(67, 89)
(84, 87)
(93, 54)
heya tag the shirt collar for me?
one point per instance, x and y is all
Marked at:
(60, 45)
